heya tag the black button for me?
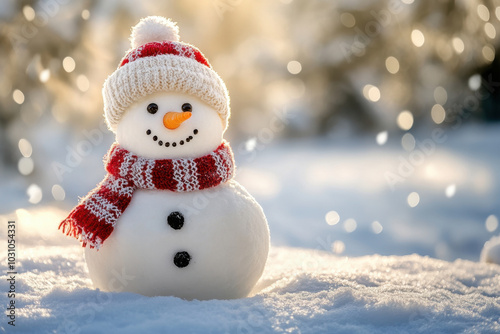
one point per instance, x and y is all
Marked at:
(175, 220)
(181, 259)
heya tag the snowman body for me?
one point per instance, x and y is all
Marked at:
(223, 230)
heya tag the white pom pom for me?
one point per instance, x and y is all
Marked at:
(154, 29)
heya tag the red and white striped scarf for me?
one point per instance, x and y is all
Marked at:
(95, 217)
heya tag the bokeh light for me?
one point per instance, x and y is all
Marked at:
(29, 13)
(488, 52)
(490, 30)
(458, 45)
(338, 247)
(332, 217)
(413, 199)
(405, 120)
(417, 37)
(371, 93)
(350, 225)
(440, 95)
(438, 114)
(483, 12)
(348, 20)
(25, 166)
(44, 75)
(82, 83)
(450, 190)
(58, 192)
(34, 193)
(18, 96)
(381, 138)
(377, 228)
(392, 64)
(85, 14)
(25, 147)
(69, 64)
(491, 223)
(408, 142)
(294, 67)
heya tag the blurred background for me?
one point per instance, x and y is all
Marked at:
(360, 126)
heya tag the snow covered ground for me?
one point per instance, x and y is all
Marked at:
(302, 291)
(330, 209)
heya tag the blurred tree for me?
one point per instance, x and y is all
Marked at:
(292, 67)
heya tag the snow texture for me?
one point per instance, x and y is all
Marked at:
(301, 291)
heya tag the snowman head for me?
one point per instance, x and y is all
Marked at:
(164, 100)
(170, 125)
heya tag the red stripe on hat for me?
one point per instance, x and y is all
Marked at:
(165, 48)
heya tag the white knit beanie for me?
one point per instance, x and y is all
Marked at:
(159, 62)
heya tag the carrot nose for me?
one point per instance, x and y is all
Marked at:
(172, 120)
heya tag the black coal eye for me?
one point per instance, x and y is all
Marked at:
(187, 107)
(152, 108)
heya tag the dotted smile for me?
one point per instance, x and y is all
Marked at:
(173, 144)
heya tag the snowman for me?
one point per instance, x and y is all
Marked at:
(168, 219)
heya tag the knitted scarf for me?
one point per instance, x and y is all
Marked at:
(95, 217)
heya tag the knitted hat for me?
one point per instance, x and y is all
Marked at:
(159, 62)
